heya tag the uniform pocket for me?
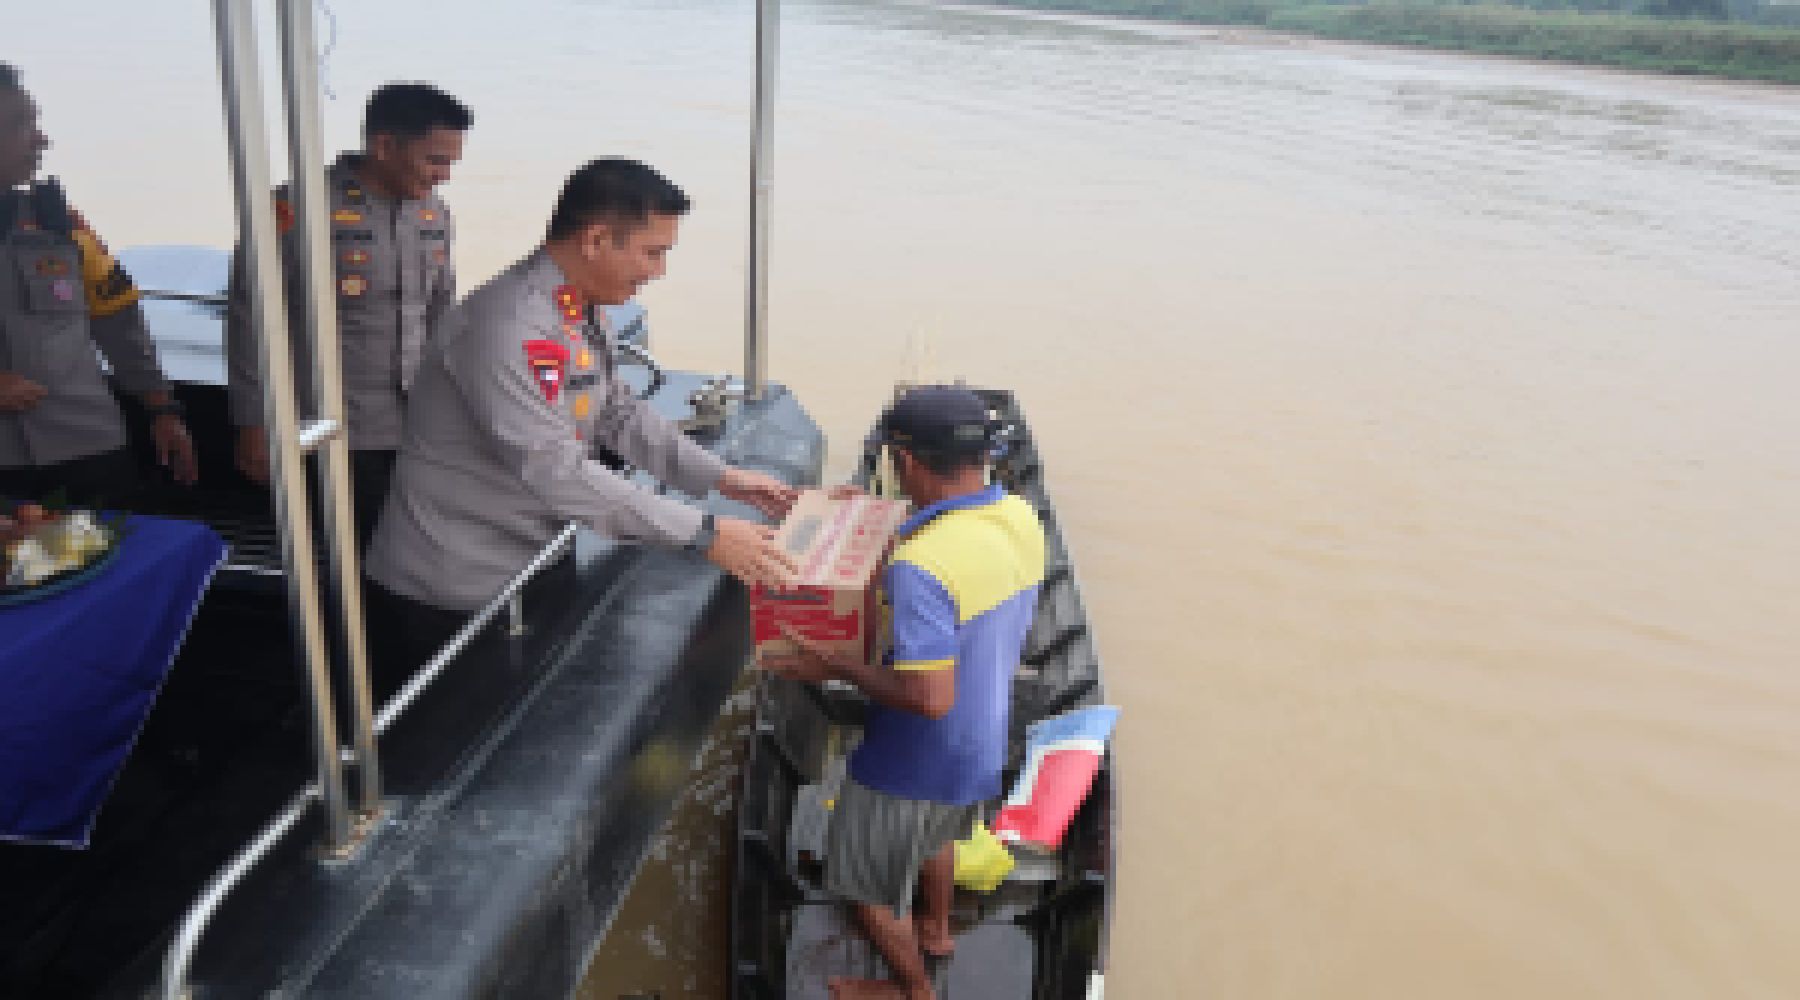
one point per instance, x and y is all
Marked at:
(51, 277)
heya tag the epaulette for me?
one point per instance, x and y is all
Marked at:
(50, 209)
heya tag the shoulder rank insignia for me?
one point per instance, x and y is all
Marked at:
(568, 303)
(346, 217)
(547, 359)
(353, 285)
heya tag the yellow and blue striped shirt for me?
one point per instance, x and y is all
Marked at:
(962, 588)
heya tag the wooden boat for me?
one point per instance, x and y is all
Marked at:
(1042, 935)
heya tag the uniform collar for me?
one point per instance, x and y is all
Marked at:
(343, 174)
(980, 498)
(546, 272)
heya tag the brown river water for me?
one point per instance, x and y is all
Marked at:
(1426, 427)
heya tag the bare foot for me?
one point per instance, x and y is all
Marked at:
(876, 989)
(934, 938)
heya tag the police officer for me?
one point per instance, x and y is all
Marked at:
(390, 254)
(61, 296)
(511, 402)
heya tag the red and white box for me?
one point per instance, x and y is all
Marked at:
(839, 543)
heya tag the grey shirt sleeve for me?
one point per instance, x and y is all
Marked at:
(536, 441)
(243, 371)
(124, 339)
(629, 426)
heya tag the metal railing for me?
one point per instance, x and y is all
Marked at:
(241, 81)
(217, 301)
(180, 957)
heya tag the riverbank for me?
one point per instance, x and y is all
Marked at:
(1698, 48)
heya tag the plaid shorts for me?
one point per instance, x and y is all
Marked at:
(877, 843)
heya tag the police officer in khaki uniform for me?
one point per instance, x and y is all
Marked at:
(512, 400)
(390, 250)
(61, 296)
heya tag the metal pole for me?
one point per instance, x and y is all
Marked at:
(306, 155)
(762, 166)
(249, 144)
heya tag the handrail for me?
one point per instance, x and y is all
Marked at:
(217, 301)
(317, 297)
(241, 86)
(193, 923)
(180, 956)
(422, 678)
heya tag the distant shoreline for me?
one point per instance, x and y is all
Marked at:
(1675, 47)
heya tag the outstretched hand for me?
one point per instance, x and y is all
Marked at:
(175, 449)
(748, 551)
(760, 490)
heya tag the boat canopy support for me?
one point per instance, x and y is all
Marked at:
(259, 263)
(762, 186)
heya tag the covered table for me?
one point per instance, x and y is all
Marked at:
(80, 669)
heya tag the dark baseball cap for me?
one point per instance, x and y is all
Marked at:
(945, 419)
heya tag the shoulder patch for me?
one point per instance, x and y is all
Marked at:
(548, 361)
(79, 224)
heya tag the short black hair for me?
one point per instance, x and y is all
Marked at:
(614, 190)
(410, 110)
(9, 77)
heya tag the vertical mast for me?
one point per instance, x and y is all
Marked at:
(248, 140)
(306, 156)
(762, 149)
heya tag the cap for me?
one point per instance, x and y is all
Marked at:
(945, 419)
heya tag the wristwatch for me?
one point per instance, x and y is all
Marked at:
(172, 408)
(703, 539)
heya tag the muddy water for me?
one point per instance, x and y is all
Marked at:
(1425, 426)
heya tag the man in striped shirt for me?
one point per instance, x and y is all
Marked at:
(962, 589)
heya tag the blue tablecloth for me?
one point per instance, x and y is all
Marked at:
(79, 671)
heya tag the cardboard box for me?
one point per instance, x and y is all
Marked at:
(839, 544)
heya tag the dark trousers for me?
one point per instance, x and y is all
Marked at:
(109, 479)
(405, 634)
(371, 472)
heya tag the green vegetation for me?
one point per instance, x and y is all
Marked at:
(1708, 37)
